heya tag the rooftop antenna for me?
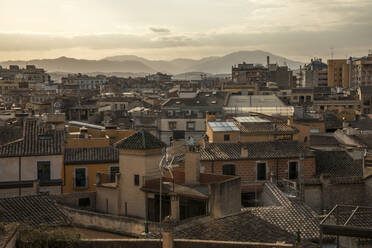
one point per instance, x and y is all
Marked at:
(166, 163)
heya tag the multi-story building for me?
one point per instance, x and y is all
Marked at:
(312, 75)
(361, 71)
(264, 104)
(185, 117)
(247, 129)
(259, 162)
(84, 81)
(249, 74)
(365, 98)
(33, 163)
(159, 77)
(338, 73)
(29, 77)
(280, 75)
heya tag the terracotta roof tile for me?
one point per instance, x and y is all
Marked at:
(140, 140)
(37, 140)
(257, 150)
(32, 210)
(338, 164)
(91, 155)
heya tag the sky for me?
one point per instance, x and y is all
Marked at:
(167, 29)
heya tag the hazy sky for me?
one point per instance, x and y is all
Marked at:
(165, 29)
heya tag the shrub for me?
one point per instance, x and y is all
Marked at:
(46, 237)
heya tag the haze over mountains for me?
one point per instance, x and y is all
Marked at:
(134, 64)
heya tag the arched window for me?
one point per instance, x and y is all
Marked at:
(228, 169)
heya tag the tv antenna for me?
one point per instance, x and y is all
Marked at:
(166, 163)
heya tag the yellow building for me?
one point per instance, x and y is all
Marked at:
(246, 129)
(338, 73)
(81, 166)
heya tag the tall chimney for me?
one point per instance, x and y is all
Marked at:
(192, 165)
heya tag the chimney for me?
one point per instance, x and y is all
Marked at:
(210, 116)
(268, 61)
(192, 165)
(244, 152)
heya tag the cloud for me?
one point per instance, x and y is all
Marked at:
(297, 28)
(350, 38)
(160, 30)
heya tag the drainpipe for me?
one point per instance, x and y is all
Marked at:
(19, 176)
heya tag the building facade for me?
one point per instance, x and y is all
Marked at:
(338, 73)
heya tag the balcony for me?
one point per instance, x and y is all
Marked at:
(110, 180)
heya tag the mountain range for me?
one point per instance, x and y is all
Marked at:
(135, 64)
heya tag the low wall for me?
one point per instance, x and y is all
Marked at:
(109, 223)
(72, 199)
(178, 243)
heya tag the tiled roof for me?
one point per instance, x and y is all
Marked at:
(91, 155)
(10, 133)
(338, 164)
(32, 210)
(140, 140)
(263, 224)
(364, 138)
(266, 127)
(291, 216)
(366, 89)
(323, 139)
(258, 150)
(244, 226)
(36, 141)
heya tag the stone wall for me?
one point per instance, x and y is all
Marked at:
(109, 223)
(225, 198)
(178, 243)
(73, 199)
(325, 196)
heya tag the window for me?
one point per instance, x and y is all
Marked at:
(113, 171)
(190, 125)
(170, 113)
(84, 202)
(261, 171)
(136, 180)
(226, 137)
(249, 199)
(172, 125)
(228, 169)
(293, 170)
(43, 171)
(314, 130)
(81, 180)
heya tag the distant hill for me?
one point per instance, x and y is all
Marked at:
(64, 64)
(134, 64)
(223, 64)
(213, 64)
